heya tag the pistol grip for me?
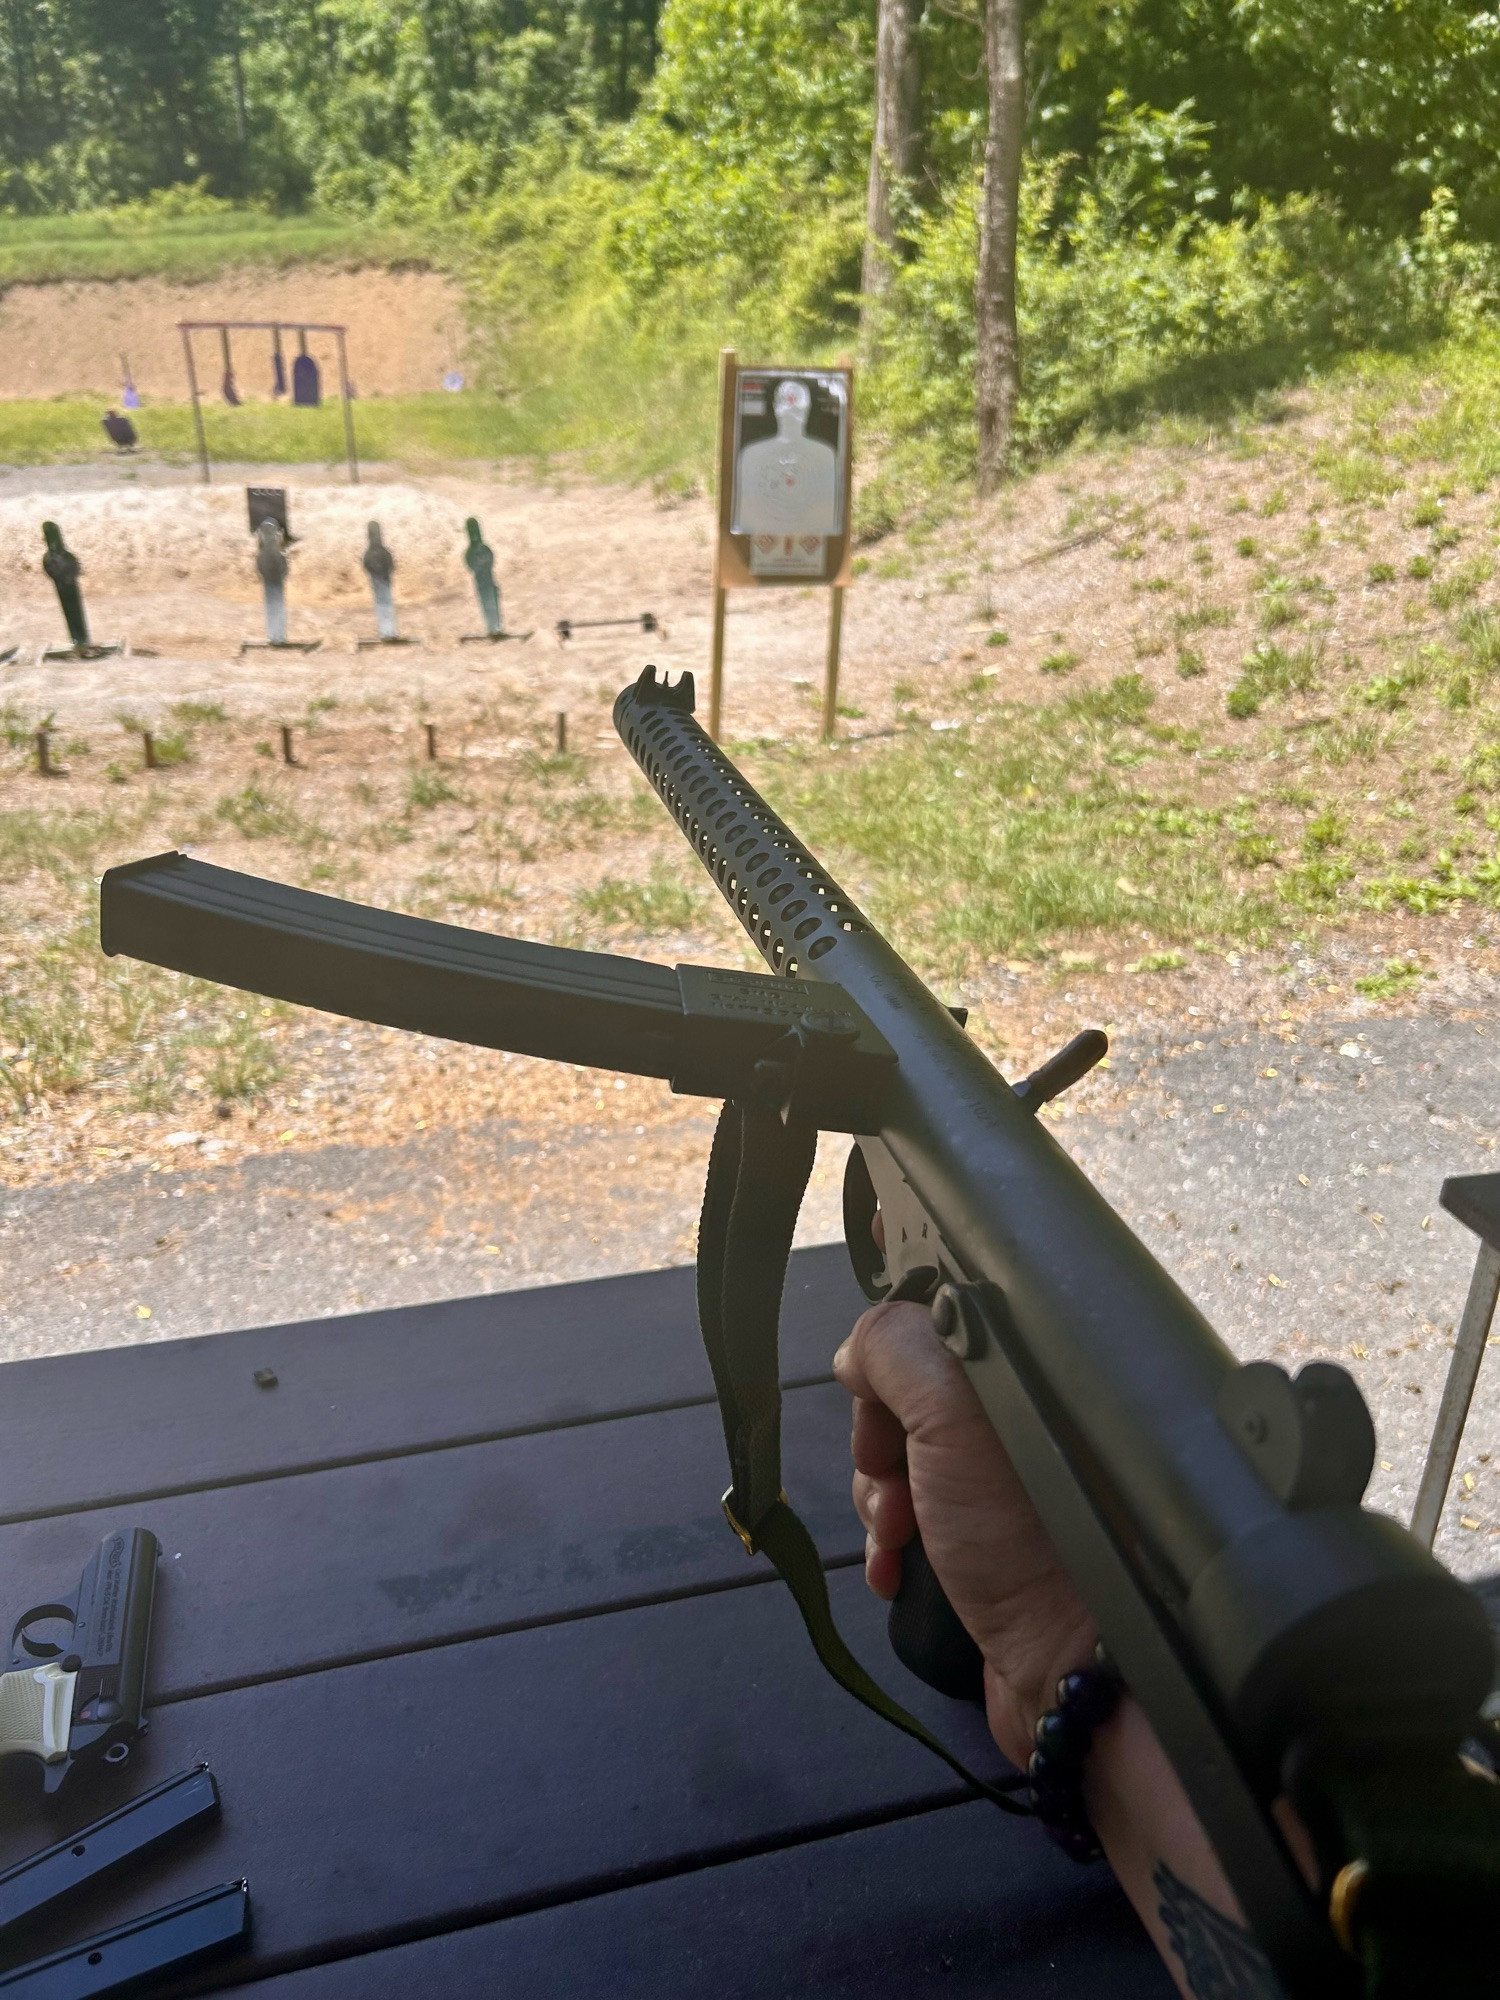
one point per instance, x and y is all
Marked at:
(926, 1634)
(36, 1711)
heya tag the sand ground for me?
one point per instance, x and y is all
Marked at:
(405, 329)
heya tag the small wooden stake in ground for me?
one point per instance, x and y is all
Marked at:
(148, 745)
(288, 756)
(432, 749)
(562, 732)
(831, 665)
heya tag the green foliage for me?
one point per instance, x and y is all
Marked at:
(355, 104)
(149, 240)
(1269, 670)
(1412, 86)
(1219, 195)
(1118, 318)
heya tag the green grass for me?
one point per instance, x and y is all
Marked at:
(664, 903)
(1268, 670)
(139, 242)
(1023, 826)
(1400, 976)
(413, 429)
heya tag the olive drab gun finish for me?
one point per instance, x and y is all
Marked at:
(1282, 1638)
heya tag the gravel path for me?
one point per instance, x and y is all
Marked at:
(1293, 1190)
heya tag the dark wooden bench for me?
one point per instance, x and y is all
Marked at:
(496, 1702)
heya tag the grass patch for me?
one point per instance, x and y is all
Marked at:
(435, 427)
(994, 839)
(266, 812)
(137, 241)
(1268, 670)
(428, 786)
(662, 903)
(1399, 976)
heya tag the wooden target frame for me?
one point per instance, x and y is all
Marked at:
(734, 565)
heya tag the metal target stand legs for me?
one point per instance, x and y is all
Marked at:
(1475, 1200)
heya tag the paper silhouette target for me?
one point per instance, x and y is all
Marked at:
(789, 449)
(784, 453)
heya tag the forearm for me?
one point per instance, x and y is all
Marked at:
(1166, 1867)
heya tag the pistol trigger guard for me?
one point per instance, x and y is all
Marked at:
(23, 1649)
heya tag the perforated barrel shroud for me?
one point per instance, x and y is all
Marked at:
(793, 910)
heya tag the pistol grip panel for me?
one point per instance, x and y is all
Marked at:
(926, 1635)
(36, 1709)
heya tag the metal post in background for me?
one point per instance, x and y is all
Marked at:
(1458, 1393)
(348, 409)
(192, 373)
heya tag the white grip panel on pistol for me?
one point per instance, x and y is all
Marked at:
(36, 1711)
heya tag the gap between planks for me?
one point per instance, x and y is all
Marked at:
(138, 1496)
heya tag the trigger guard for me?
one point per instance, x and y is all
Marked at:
(39, 1649)
(860, 1205)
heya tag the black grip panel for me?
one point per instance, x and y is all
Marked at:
(926, 1635)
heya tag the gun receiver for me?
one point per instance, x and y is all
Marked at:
(1277, 1634)
(84, 1699)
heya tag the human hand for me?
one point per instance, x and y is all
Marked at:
(927, 1456)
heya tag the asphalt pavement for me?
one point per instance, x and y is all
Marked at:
(1291, 1187)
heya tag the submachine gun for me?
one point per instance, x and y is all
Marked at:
(1281, 1638)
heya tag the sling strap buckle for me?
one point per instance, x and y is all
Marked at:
(746, 1535)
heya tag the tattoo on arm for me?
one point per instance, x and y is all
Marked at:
(1220, 1959)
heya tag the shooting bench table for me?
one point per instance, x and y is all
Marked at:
(496, 1702)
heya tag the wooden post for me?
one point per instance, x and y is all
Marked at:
(432, 749)
(187, 350)
(562, 732)
(288, 756)
(716, 661)
(148, 745)
(831, 666)
(728, 384)
(348, 410)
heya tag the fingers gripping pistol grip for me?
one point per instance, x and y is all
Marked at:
(85, 1695)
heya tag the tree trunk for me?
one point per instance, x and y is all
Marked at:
(894, 148)
(997, 360)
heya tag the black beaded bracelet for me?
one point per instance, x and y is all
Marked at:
(1085, 1699)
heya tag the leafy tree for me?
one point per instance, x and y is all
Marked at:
(1415, 80)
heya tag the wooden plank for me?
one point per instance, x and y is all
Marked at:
(281, 1575)
(83, 1430)
(962, 1903)
(388, 1800)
